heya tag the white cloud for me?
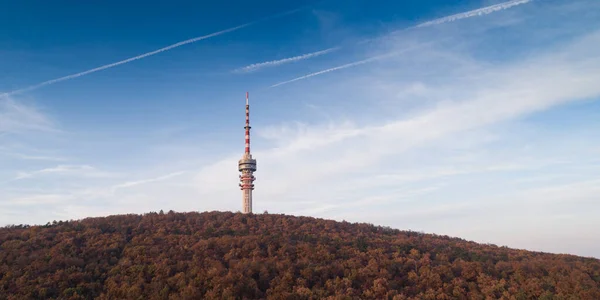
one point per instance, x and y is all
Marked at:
(452, 18)
(16, 117)
(65, 170)
(129, 184)
(39, 199)
(15, 152)
(37, 157)
(498, 94)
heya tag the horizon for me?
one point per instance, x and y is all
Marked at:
(471, 119)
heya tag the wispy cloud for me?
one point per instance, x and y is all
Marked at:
(350, 65)
(72, 170)
(273, 63)
(496, 94)
(77, 197)
(39, 199)
(333, 155)
(38, 157)
(469, 14)
(179, 44)
(19, 117)
(145, 181)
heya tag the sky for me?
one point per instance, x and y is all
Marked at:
(473, 119)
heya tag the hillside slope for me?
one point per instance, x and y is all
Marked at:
(220, 255)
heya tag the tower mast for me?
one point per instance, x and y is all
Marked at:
(247, 167)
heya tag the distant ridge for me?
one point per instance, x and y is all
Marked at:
(223, 255)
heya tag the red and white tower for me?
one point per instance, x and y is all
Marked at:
(247, 166)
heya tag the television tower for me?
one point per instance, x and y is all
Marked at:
(247, 166)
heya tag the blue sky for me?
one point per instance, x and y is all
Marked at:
(476, 119)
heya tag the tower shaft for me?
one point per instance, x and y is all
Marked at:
(247, 167)
(247, 149)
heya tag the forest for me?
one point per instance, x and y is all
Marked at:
(225, 255)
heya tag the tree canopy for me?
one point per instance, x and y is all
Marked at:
(222, 255)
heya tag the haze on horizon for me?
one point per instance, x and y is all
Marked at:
(475, 119)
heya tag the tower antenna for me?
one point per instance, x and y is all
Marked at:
(247, 167)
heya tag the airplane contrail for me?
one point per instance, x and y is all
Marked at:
(468, 14)
(330, 70)
(474, 13)
(254, 67)
(179, 44)
(452, 18)
(353, 64)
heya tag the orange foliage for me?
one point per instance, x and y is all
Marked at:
(219, 255)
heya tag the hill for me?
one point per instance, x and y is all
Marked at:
(220, 255)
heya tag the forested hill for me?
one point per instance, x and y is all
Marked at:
(221, 255)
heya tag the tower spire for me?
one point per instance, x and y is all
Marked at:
(247, 167)
(247, 125)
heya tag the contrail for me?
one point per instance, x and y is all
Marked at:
(330, 70)
(179, 44)
(472, 13)
(254, 67)
(353, 64)
(464, 15)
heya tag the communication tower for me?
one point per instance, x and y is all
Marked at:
(247, 167)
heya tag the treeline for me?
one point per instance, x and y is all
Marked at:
(220, 255)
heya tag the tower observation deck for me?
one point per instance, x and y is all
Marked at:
(247, 167)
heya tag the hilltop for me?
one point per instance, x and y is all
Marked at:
(221, 255)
